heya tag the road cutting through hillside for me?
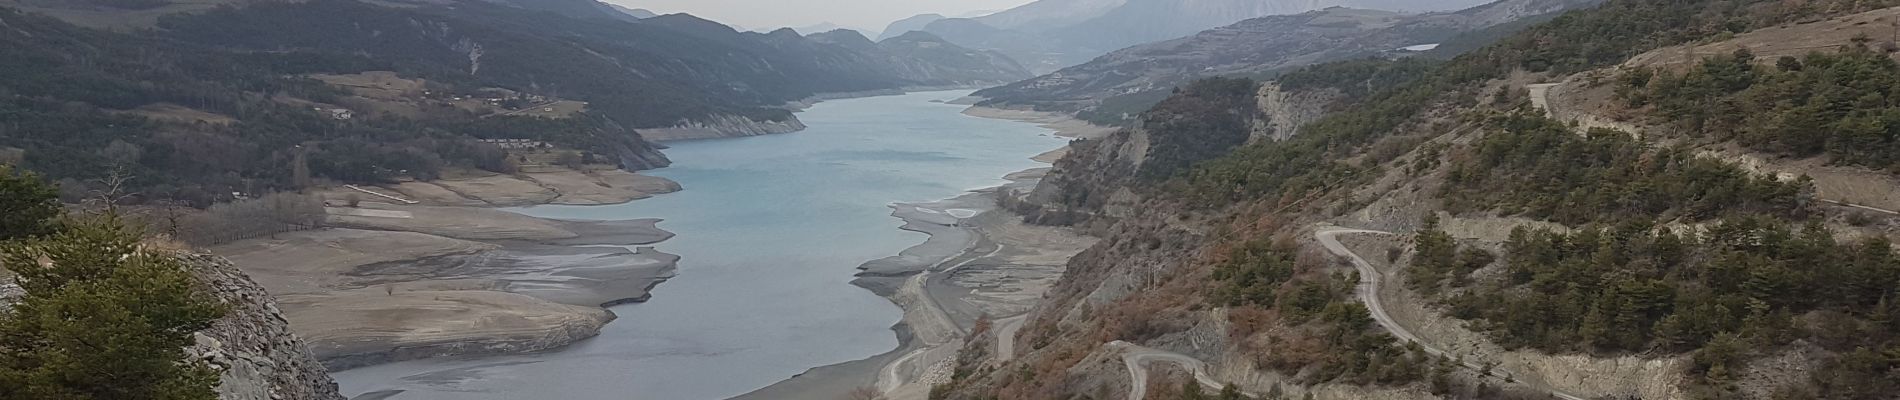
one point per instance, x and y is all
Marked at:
(1370, 279)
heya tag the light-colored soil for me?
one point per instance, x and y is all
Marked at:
(425, 192)
(555, 109)
(368, 326)
(178, 113)
(312, 261)
(1795, 40)
(1064, 125)
(501, 190)
(381, 85)
(370, 296)
(456, 222)
(601, 187)
(544, 185)
(397, 281)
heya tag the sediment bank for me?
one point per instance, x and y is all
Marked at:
(980, 262)
(447, 276)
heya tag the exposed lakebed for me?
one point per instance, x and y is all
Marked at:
(770, 231)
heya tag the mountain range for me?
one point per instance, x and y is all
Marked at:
(1110, 88)
(1051, 34)
(205, 102)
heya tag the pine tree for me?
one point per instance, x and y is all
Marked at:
(1230, 392)
(1191, 390)
(28, 206)
(102, 319)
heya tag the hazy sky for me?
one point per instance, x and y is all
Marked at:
(766, 14)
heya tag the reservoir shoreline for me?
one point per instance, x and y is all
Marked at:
(858, 153)
(339, 290)
(929, 335)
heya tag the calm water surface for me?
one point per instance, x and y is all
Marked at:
(770, 229)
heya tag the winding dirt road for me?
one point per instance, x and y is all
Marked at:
(1136, 357)
(1370, 280)
(934, 327)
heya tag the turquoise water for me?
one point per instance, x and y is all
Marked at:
(770, 230)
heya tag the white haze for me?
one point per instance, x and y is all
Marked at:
(870, 15)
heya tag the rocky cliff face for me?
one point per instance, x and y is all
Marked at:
(1094, 186)
(252, 347)
(257, 356)
(1283, 112)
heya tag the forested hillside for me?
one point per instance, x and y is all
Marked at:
(1497, 251)
(255, 97)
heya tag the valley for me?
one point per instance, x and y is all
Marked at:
(1054, 199)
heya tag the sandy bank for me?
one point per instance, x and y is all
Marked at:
(351, 329)
(489, 224)
(393, 281)
(363, 297)
(1062, 124)
(534, 186)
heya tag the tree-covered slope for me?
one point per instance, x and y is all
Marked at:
(1640, 267)
(253, 97)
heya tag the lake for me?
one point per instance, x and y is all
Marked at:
(770, 231)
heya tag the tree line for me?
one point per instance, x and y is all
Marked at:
(104, 316)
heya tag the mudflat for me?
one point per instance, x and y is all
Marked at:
(392, 281)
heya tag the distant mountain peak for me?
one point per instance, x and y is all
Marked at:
(639, 13)
(906, 25)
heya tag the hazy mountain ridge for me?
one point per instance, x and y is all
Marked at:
(926, 60)
(244, 72)
(914, 23)
(1254, 47)
(1080, 30)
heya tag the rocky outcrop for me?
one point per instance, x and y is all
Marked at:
(252, 348)
(1098, 177)
(9, 292)
(1284, 112)
(721, 126)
